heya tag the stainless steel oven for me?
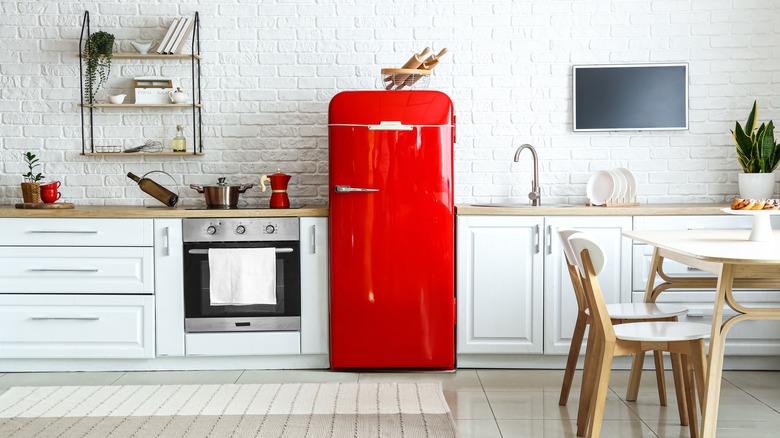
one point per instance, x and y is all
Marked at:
(199, 235)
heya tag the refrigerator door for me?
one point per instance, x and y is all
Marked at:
(392, 233)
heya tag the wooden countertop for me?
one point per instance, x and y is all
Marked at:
(139, 211)
(639, 210)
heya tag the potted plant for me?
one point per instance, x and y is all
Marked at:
(31, 190)
(759, 156)
(97, 52)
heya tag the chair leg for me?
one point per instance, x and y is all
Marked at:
(589, 375)
(690, 397)
(574, 354)
(659, 376)
(636, 376)
(699, 361)
(599, 398)
(679, 387)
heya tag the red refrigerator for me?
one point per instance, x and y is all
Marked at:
(392, 256)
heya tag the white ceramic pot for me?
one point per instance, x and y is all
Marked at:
(756, 185)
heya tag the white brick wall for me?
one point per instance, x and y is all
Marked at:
(271, 67)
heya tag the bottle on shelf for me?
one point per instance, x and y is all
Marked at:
(179, 142)
(155, 190)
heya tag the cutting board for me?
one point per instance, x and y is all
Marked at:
(43, 205)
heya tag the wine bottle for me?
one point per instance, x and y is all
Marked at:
(157, 191)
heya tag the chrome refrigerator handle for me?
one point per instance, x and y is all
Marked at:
(347, 189)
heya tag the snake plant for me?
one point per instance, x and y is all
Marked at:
(757, 151)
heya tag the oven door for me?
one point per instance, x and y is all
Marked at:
(201, 316)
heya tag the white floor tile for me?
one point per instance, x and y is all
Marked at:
(469, 405)
(296, 376)
(178, 377)
(9, 380)
(461, 380)
(477, 429)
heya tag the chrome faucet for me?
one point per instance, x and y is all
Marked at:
(534, 195)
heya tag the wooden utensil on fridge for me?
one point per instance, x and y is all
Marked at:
(413, 63)
(428, 64)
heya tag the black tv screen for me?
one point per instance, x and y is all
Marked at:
(631, 97)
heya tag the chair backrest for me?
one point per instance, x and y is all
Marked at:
(571, 264)
(591, 260)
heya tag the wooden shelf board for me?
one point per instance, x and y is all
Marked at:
(142, 105)
(142, 154)
(154, 56)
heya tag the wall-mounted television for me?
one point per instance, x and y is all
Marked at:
(630, 97)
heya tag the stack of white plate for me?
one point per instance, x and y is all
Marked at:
(615, 186)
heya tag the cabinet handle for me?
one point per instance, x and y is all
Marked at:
(64, 318)
(548, 236)
(313, 237)
(62, 232)
(536, 233)
(167, 242)
(205, 251)
(691, 268)
(63, 270)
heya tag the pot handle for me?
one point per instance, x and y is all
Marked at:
(197, 187)
(244, 188)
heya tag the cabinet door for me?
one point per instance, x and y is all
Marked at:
(499, 284)
(169, 287)
(314, 285)
(560, 306)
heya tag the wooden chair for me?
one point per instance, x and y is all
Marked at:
(618, 313)
(684, 340)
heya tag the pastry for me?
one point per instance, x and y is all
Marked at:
(743, 204)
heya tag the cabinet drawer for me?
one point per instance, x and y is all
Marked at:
(76, 326)
(56, 270)
(243, 344)
(76, 232)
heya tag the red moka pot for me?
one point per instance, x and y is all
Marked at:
(279, 182)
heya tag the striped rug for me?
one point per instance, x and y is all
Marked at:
(262, 410)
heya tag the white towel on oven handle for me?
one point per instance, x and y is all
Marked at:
(242, 276)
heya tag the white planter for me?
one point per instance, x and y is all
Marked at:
(756, 185)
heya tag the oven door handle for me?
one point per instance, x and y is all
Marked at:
(206, 251)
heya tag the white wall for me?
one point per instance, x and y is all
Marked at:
(270, 69)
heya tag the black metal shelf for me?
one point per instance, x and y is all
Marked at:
(197, 117)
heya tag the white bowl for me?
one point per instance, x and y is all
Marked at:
(600, 187)
(119, 98)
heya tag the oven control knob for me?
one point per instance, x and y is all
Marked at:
(270, 229)
(240, 229)
(211, 230)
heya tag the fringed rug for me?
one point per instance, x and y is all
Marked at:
(289, 410)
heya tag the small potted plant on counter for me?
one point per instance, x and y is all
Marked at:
(31, 190)
(759, 156)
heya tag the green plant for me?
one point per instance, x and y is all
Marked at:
(757, 151)
(31, 161)
(97, 52)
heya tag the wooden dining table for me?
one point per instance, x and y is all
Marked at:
(737, 263)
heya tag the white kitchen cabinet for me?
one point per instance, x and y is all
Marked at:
(499, 285)
(514, 293)
(748, 338)
(77, 288)
(314, 285)
(560, 306)
(169, 287)
(76, 326)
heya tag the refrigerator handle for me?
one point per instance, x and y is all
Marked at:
(347, 189)
(390, 126)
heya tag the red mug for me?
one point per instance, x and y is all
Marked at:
(51, 186)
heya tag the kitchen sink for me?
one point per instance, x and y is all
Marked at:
(523, 205)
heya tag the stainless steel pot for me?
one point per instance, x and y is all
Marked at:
(221, 195)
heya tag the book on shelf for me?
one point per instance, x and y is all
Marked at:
(184, 35)
(179, 27)
(167, 37)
